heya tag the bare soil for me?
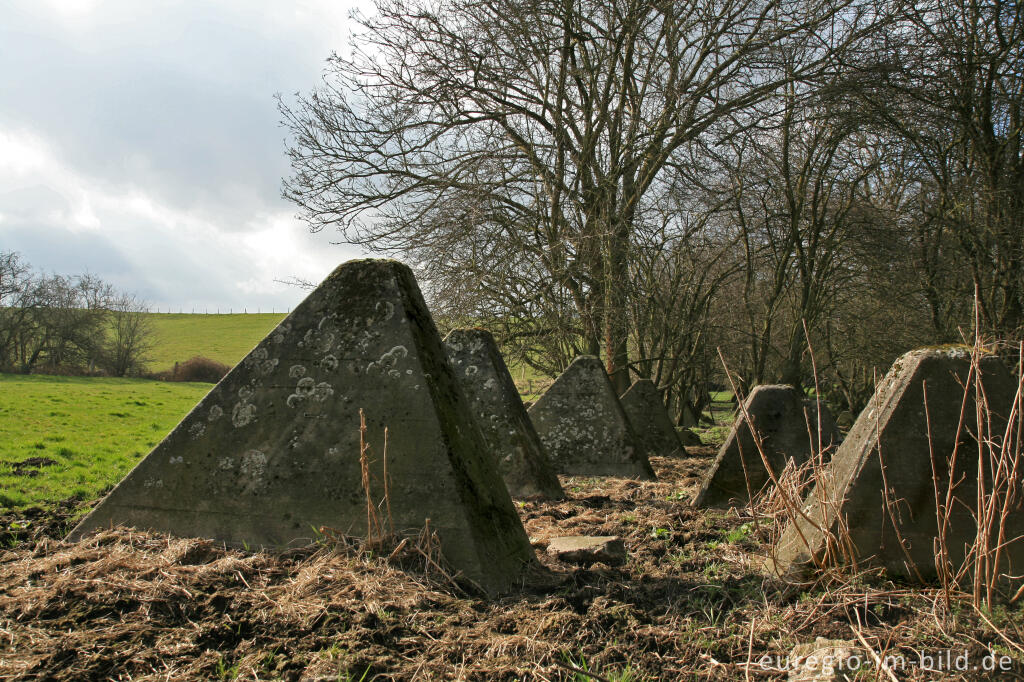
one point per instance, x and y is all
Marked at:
(690, 603)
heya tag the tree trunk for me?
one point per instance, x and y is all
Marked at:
(616, 317)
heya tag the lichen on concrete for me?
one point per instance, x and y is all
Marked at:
(583, 427)
(498, 410)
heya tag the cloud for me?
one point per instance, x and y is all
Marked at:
(64, 221)
(140, 141)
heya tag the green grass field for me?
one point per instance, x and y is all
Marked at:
(94, 430)
(224, 338)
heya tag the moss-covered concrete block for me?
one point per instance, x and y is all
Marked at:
(272, 452)
(896, 445)
(790, 427)
(583, 427)
(645, 410)
(495, 404)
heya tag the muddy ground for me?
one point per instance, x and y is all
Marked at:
(690, 603)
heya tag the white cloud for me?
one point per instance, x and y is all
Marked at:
(177, 257)
(71, 9)
(29, 162)
(140, 142)
(21, 153)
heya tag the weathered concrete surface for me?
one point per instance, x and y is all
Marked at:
(647, 415)
(893, 428)
(588, 549)
(499, 412)
(788, 427)
(583, 427)
(273, 450)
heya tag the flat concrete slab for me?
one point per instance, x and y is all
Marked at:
(645, 410)
(588, 549)
(273, 450)
(498, 410)
(894, 429)
(583, 428)
(788, 425)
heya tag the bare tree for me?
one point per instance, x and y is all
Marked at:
(790, 189)
(131, 335)
(513, 148)
(68, 322)
(952, 88)
(15, 284)
(676, 281)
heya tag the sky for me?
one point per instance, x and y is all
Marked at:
(141, 142)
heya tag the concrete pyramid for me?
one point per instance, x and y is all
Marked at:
(788, 426)
(648, 417)
(273, 450)
(583, 428)
(499, 412)
(894, 429)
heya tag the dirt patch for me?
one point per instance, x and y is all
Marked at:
(687, 604)
(30, 467)
(36, 524)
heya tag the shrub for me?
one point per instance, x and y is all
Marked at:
(195, 369)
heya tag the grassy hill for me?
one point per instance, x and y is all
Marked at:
(224, 338)
(227, 339)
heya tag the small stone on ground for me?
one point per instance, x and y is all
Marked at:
(825, 660)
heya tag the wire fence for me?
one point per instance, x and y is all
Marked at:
(182, 310)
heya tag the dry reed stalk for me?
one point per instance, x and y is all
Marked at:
(839, 543)
(374, 533)
(1002, 455)
(792, 509)
(819, 450)
(878, 657)
(942, 552)
(998, 484)
(1006, 476)
(793, 483)
(740, 398)
(428, 545)
(387, 486)
(890, 505)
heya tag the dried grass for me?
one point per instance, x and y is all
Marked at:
(687, 605)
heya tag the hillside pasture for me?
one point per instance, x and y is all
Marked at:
(224, 338)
